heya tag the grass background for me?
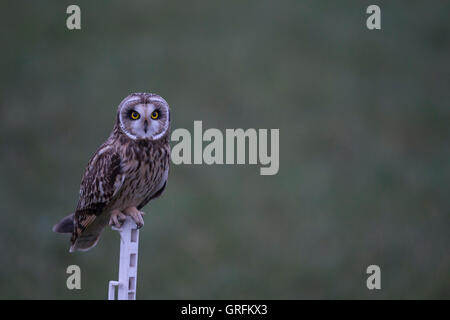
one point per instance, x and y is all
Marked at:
(364, 146)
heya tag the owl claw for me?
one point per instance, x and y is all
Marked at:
(117, 219)
(136, 215)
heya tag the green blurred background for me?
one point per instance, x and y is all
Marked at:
(364, 146)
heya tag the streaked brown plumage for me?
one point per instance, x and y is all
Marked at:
(125, 173)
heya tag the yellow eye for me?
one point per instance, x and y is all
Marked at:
(134, 115)
(154, 115)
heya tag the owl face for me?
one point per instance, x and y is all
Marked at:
(144, 116)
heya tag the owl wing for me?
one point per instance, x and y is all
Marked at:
(154, 195)
(159, 188)
(102, 180)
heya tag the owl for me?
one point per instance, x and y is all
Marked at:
(125, 173)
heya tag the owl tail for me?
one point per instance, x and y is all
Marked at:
(65, 225)
(88, 238)
(85, 242)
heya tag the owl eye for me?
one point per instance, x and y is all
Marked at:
(135, 115)
(154, 115)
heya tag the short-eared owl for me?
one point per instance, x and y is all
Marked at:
(125, 173)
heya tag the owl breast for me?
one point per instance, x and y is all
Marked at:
(144, 171)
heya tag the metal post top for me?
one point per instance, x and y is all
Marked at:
(129, 245)
(128, 224)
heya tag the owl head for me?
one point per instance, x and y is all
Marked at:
(144, 116)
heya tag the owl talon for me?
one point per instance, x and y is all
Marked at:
(117, 219)
(136, 215)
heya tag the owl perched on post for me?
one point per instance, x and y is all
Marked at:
(125, 173)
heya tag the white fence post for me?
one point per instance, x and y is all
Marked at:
(129, 245)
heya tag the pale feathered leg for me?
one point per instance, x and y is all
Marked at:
(117, 218)
(136, 215)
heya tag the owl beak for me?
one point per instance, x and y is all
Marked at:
(145, 125)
